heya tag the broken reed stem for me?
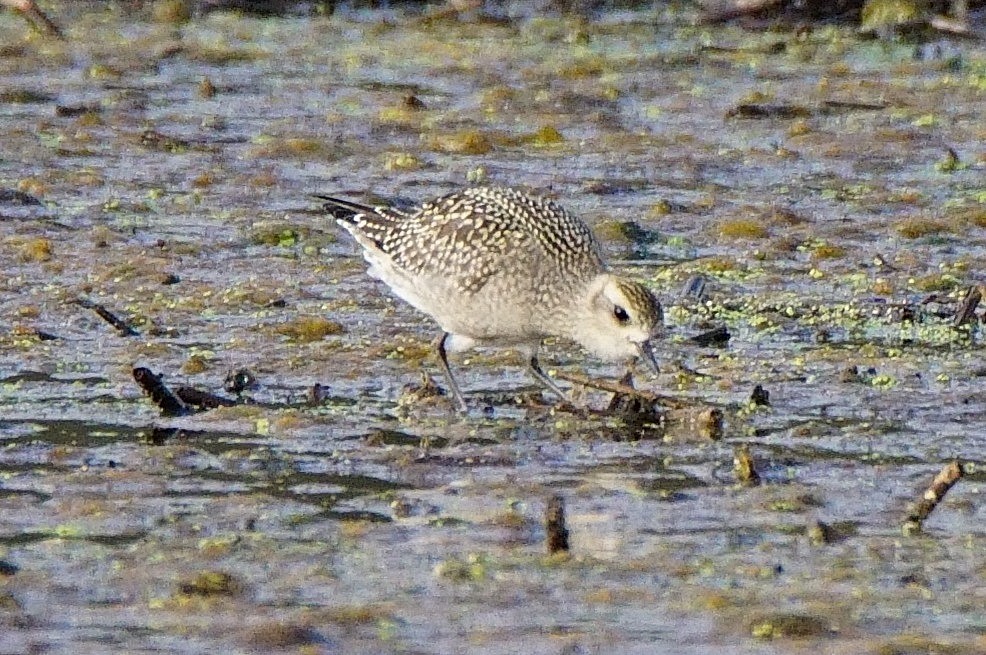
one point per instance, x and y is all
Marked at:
(618, 387)
(744, 467)
(163, 397)
(38, 20)
(202, 399)
(919, 511)
(554, 524)
(966, 311)
(124, 328)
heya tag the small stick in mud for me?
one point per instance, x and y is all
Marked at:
(554, 524)
(170, 404)
(919, 511)
(631, 406)
(37, 18)
(773, 48)
(966, 311)
(717, 336)
(744, 467)
(202, 399)
(316, 394)
(853, 105)
(620, 388)
(760, 110)
(694, 288)
(760, 396)
(122, 326)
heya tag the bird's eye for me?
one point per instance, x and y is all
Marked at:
(621, 315)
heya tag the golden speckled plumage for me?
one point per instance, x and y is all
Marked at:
(499, 267)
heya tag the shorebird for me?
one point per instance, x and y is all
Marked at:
(497, 267)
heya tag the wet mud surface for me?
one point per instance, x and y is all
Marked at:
(163, 171)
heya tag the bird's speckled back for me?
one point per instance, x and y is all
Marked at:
(470, 237)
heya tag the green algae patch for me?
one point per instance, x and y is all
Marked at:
(280, 234)
(742, 228)
(275, 235)
(473, 568)
(790, 626)
(620, 232)
(406, 349)
(942, 282)
(356, 614)
(294, 147)
(921, 645)
(879, 15)
(219, 54)
(25, 97)
(279, 635)
(545, 136)
(974, 215)
(467, 142)
(585, 67)
(408, 113)
(171, 12)
(196, 363)
(794, 503)
(211, 583)
(821, 251)
(252, 294)
(402, 161)
(307, 329)
(919, 227)
(37, 249)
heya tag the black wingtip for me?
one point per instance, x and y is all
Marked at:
(340, 208)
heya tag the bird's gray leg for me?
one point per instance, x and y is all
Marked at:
(535, 368)
(443, 360)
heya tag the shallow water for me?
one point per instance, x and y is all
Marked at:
(363, 525)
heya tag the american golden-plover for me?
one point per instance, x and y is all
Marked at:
(498, 267)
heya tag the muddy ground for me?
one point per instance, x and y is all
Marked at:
(829, 190)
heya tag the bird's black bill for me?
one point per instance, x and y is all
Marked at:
(340, 208)
(647, 354)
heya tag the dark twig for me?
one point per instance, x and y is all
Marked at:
(554, 524)
(717, 336)
(761, 110)
(37, 18)
(202, 399)
(966, 311)
(694, 288)
(853, 105)
(919, 511)
(775, 48)
(632, 406)
(316, 395)
(15, 197)
(122, 326)
(153, 386)
(618, 387)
